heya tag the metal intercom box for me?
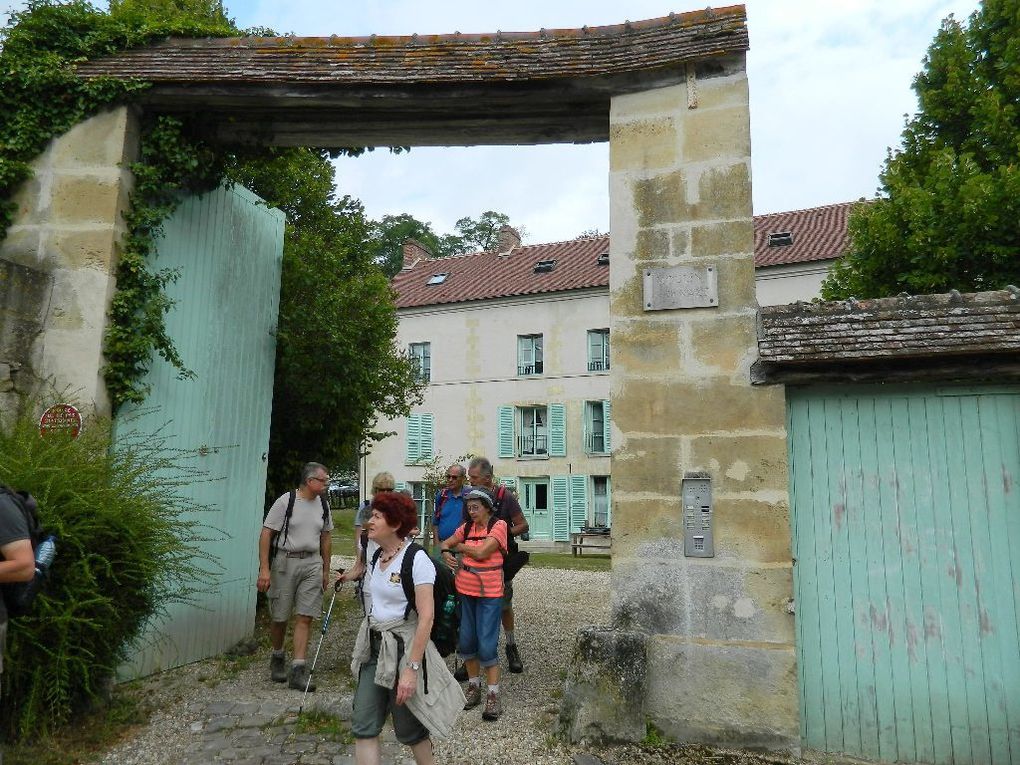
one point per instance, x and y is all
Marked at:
(696, 495)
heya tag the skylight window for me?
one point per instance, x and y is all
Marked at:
(781, 239)
(437, 278)
(603, 259)
(544, 266)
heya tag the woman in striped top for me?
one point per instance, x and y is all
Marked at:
(481, 544)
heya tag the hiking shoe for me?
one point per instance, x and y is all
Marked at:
(278, 668)
(493, 706)
(299, 678)
(461, 674)
(513, 658)
(472, 696)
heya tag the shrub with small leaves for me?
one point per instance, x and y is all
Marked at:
(127, 548)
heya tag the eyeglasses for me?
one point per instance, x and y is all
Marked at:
(316, 478)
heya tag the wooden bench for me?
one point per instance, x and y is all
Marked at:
(580, 542)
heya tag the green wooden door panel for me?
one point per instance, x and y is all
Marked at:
(906, 536)
(228, 247)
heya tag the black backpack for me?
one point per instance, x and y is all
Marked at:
(446, 601)
(18, 596)
(291, 499)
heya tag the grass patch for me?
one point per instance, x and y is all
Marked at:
(653, 736)
(589, 562)
(87, 737)
(320, 723)
(343, 531)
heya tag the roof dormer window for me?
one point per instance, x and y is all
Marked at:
(544, 266)
(781, 239)
(437, 279)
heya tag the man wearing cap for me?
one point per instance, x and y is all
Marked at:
(507, 508)
(297, 531)
(449, 506)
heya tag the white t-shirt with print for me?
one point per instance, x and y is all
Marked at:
(384, 585)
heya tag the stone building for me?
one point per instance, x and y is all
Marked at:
(514, 346)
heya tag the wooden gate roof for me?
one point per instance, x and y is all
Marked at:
(455, 89)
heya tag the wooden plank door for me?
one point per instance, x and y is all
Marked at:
(906, 535)
(228, 248)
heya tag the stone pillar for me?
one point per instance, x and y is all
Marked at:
(64, 244)
(720, 640)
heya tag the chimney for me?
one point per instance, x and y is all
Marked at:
(414, 251)
(508, 239)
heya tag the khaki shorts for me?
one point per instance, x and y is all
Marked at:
(295, 584)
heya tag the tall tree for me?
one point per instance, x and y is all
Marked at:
(948, 212)
(388, 235)
(481, 233)
(337, 365)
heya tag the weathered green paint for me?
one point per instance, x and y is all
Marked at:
(906, 534)
(228, 247)
(539, 518)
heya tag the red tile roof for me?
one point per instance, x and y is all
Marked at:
(500, 56)
(485, 275)
(818, 234)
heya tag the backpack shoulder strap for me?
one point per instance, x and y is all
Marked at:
(325, 510)
(376, 554)
(407, 575)
(291, 498)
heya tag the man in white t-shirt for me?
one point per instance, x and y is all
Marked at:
(294, 552)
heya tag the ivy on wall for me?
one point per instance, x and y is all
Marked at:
(41, 98)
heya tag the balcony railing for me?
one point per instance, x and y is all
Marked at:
(599, 365)
(532, 446)
(529, 369)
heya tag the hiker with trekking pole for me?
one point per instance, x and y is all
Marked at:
(398, 669)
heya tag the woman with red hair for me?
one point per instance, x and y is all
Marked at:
(394, 661)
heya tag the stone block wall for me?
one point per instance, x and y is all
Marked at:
(719, 639)
(58, 261)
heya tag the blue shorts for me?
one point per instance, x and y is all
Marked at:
(479, 629)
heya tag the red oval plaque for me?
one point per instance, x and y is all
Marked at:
(60, 418)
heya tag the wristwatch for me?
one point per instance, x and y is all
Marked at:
(415, 665)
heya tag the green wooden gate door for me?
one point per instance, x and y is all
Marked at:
(228, 247)
(906, 535)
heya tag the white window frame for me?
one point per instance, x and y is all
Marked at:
(598, 350)
(538, 437)
(530, 355)
(421, 354)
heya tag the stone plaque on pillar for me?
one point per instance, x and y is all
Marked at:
(680, 287)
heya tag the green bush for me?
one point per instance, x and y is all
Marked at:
(126, 550)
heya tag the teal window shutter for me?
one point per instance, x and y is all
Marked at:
(557, 430)
(560, 507)
(609, 501)
(427, 451)
(400, 486)
(578, 502)
(506, 432)
(412, 447)
(607, 425)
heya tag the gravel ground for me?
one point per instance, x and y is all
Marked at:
(550, 605)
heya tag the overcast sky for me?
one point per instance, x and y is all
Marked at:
(829, 82)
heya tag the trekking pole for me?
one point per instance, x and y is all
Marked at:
(325, 626)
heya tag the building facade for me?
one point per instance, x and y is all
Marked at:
(515, 350)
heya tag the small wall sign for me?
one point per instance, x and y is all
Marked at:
(680, 287)
(60, 418)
